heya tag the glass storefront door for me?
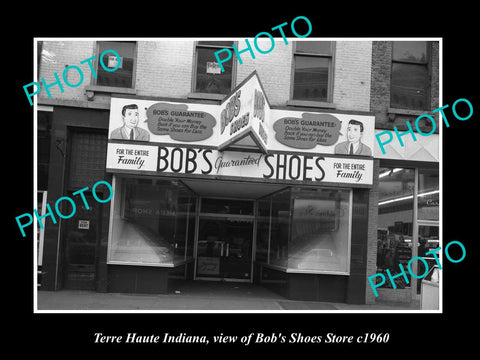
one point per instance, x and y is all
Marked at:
(224, 242)
(428, 239)
(408, 223)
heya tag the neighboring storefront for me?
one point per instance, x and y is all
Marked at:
(74, 249)
(241, 192)
(408, 213)
(406, 85)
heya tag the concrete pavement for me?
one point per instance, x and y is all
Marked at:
(200, 296)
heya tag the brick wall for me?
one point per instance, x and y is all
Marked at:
(352, 75)
(435, 80)
(380, 85)
(274, 69)
(352, 72)
(56, 56)
(164, 68)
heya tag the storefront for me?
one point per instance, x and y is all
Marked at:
(408, 223)
(239, 192)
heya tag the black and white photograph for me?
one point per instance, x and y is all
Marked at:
(263, 212)
(296, 180)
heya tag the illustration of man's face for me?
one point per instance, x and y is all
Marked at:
(130, 118)
(353, 133)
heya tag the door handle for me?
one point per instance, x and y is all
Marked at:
(228, 247)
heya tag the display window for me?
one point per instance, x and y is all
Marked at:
(428, 194)
(320, 231)
(404, 233)
(280, 228)
(152, 223)
(428, 205)
(309, 231)
(395, 221)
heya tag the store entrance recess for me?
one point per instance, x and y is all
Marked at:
(224, 240)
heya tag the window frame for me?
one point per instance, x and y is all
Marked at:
(331, 67)
(114, 89)
(203, 95)
(428, 86)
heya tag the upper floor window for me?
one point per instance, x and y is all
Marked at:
(410, 75)
(124, 75)
(313, 64)
(208, 76)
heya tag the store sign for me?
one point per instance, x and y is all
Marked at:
(208, 265)
(243, 114)
(212, 67)
(162, 121)
(114, 62)
(308, 131)
(180, 123)
(208, 162)
(327, 133)
(317, 209)
(314, 215)
(273, 166)
(84, 224)
(244, 119)
(132, 157)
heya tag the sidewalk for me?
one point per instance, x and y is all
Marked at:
(199, 296)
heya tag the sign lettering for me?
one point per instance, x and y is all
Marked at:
(303, 168)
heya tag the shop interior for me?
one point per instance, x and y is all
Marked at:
(408, 222)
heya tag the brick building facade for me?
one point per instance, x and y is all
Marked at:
(348, 77)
